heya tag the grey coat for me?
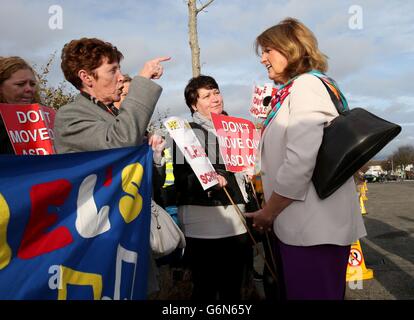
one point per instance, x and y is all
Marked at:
(83, 126)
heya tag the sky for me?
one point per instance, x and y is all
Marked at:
(370, 45)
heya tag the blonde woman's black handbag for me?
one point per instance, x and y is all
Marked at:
(349, 141)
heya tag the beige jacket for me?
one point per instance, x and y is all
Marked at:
(289, 147)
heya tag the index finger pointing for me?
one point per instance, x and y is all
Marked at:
(162, 59)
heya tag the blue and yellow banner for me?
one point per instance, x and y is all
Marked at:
(75, 226)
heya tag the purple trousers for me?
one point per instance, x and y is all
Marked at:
(314, 272)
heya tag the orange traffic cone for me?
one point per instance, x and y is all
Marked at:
(356, 265)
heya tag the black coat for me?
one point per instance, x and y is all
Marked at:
(5, 144)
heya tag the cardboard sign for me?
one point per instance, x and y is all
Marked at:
(30, 128)
(260, 104)
(183, 135)
(238, 140)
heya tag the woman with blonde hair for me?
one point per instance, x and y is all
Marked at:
(18, 85)
(313, 235)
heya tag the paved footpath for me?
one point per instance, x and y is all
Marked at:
(389, 247)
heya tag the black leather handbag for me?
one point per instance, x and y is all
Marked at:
(349, 141)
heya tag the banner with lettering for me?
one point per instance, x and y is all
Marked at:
(30, 128)
(238, 140)
(75, 226)
(260, 103)
(186, 140)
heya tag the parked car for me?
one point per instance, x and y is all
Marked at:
(391, 177)
(370, 178)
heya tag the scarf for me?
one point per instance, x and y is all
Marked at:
(277, 101)
(333, 86)
(111, 109)
(206, 123)
(284, 91)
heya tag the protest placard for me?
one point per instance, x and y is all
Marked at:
(260, 103)
(238, 140)
(30, 128)
(184, 137)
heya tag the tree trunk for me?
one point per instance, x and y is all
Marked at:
(193, 36)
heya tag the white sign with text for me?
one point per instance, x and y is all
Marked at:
(186, 140)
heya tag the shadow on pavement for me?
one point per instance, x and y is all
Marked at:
(398, 242)
(391, 239)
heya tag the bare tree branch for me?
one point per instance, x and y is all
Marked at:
(204, 6)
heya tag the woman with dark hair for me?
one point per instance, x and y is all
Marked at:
(217, 250)
(18, 85)
(313, 235)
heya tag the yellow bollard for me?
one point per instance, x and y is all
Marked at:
(356, 269)
(362, 193)
(362, 198)
(362, 206)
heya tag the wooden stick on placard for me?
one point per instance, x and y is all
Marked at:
(266, 232)
(250, 234)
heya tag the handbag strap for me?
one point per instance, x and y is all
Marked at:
(336, 95)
